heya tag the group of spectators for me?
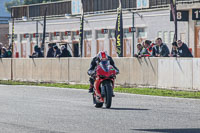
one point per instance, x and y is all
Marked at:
(160, 49)
(147, 49)
(53, 51)
(5, 52)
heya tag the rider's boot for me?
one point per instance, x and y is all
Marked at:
(91, 89)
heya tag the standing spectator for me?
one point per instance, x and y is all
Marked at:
(163, 50)
(56, 51)
(149, 47)
(65, 52)
(50, 52)
(155, 50)
(183, 50)
(141, 51)
(174, 51)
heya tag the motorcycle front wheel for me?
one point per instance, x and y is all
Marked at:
(108, 95)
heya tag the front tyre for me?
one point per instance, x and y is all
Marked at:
(108, 96)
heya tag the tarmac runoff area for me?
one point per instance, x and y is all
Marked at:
(29, 109)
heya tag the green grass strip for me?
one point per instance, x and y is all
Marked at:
(142, 91)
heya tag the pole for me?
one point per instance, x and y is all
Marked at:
(44, 31)
(133, 37)
(81, 29)
(174, 13)
(12, 43)
(176, 25)
(37, 32)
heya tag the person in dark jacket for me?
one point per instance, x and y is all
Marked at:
(1, 45)
(174, 51)
(56, 51)
(155, 50)
(183, 50)
(37, 53)
(163, 50)
(101, 55)
(4, 53)
(50, 53)
(65, 52)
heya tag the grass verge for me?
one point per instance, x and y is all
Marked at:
(142, 91)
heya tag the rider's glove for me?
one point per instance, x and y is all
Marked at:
(117, 72)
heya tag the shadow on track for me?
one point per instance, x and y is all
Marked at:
(126, 109)
(182, 130)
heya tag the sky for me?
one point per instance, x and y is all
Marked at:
(3, 11)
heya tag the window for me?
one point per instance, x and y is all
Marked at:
(47, 37)
(160, 34)
(141, 33)
(54, 37)
(88, 34)
(165, 38)
(32, 38)
(142, 3)
(171, 35)
(99, 34)
(182, 37)
(75, 35)
(24, 37)
(40, 36)
(64, 36)
(127, 33)
(198, 22)
(15, 37)
(111, 33)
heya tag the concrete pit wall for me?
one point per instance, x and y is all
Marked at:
(171, 73)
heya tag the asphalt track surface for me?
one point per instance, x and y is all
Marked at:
(29, 109)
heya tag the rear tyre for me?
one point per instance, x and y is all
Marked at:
(108, 96)
(99, 105)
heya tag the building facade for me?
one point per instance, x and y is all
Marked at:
(151, 19)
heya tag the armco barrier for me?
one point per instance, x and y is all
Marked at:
(175, 73)
(5, 69)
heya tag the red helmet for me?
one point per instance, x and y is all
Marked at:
(102, 55)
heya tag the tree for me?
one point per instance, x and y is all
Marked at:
(8, 5)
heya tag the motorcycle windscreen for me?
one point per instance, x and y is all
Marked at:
(105, 65)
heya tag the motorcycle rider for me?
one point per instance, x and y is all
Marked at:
(95, 61)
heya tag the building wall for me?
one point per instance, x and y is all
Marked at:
(152, 21)
(4, 28)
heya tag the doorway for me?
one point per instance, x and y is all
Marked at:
(197, 41)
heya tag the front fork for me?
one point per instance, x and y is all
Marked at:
(99, 95)
(103, 88)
